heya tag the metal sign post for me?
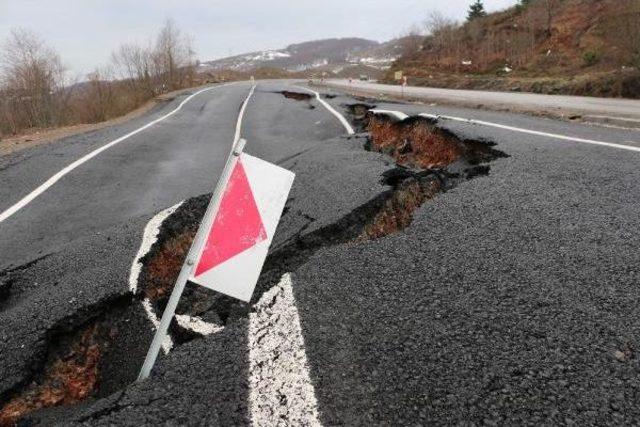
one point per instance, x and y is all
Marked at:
(185, 272)
(404, 83)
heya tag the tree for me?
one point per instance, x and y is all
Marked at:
(443, 37)
(31, 76)
(476, 10)
(134, 64)
(173, 57)
(550, 8)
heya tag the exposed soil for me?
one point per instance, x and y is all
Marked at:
(298, 96)
(163, 267)
(84, 359)
(414, 143)
(397, 211)
(419, 143)
(68, 379)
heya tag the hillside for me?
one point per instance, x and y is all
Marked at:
(585, 47)
(346, 57)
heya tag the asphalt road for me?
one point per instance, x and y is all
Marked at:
(509, 299)
(617, 111)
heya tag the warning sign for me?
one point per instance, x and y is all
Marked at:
(238, 239)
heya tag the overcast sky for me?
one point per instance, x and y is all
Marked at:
(86, 31)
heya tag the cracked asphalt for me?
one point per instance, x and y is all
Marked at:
(510, 299)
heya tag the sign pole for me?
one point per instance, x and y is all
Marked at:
(187, 267)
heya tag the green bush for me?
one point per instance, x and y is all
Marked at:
(590, 58)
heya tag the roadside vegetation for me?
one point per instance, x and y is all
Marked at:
(36, 91)
(581, 47)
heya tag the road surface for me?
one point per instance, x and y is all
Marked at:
(623, 112)
(512, 298)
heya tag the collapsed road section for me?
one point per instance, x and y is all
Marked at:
(397, 167)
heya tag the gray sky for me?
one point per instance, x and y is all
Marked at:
(85, 32)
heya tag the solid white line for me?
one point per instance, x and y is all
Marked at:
(539, 133)
(397, 114)
(149, 237)
(280, 388)
(241, 115)
(326, 105)
(55, 178)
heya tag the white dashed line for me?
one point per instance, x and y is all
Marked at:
(281, 392)
(326, 105)
(55, 178)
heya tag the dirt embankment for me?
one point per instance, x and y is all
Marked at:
(570, 47)
(615, 84)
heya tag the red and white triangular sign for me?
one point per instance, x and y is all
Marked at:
(238, 240)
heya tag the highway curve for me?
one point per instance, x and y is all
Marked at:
(500, 287)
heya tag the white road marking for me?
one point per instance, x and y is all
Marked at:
(55, 178)
(149, 237)
(197, 325)
(326, 105)
(429, 116)
(167, 343)
(535, 132)
(241, 115)
(281, 391)
(397, 114)
(401, 116)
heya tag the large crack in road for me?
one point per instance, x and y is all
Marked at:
(85, 356)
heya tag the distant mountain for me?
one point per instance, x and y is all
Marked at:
(328, 54)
